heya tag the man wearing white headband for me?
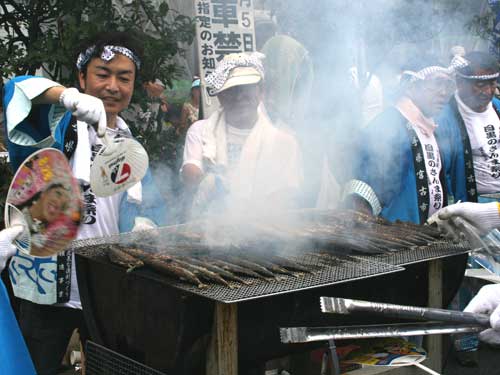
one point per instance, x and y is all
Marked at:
(400, 174)
(470, 129)
(236, 159)
(42, 113)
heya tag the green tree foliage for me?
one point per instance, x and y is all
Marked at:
(45, 34)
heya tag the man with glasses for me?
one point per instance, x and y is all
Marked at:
(399, 173)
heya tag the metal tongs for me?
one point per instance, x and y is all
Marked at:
(439, 321)
(456, 321)
(471, 234)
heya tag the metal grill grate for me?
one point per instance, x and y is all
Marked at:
(103, 361)
(422, 253)
(335, 271)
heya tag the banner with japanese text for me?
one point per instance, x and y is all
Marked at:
(222, 27)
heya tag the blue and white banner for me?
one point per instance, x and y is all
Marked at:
(14, 356)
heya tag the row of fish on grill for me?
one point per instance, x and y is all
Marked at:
(269, 249)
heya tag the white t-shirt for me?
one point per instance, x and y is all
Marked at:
(483, 129)
(100, 215)
(193, 150)
(235, 139)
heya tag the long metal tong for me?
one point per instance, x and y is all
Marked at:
(348, 306)
(438, 321)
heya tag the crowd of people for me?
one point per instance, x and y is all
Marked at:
(436, 145)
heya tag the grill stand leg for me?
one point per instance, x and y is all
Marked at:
(435, 342)
(222, 353)
(335, 357)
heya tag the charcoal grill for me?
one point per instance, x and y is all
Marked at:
(167, 324)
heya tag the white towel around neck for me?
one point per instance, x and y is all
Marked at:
(262, 168)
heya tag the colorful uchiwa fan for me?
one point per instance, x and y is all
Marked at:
(45, 198)
(388, 351)
(119, 164)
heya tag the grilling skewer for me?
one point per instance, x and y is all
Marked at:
(214, 268)
(327, 238)
(268, 264)
(171, 269)
(235, 268)
(202, 272)
(348, 306)
(248, 264)
(123, 259)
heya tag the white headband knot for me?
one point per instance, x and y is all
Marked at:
(108, 54)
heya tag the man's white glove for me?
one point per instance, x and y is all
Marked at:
(143, 223)
(483, 216)
(85, 108)
(7, 249)
(487, 301)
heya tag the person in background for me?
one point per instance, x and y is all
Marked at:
(14, 356)
(237, 159)
(400, 173)
(42, 113)
(190, 113)
(191, 109)
(370, 93)
(469, 128)
(158, 106)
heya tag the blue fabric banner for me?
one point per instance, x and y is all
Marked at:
(14, 355)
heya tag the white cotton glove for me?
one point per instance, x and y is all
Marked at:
(483, 216)
(143, 223)
(446, 227)
(85, 108)
(487, 301)
(7, 249)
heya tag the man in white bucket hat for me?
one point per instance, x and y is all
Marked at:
(237, 159)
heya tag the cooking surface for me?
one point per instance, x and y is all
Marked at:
(327, 270)
(341, 270)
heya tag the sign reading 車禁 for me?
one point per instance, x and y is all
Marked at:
(222, 27)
